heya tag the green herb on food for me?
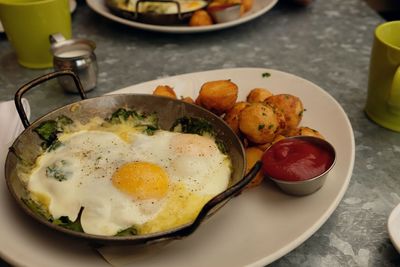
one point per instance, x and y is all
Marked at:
(221, 146)
(48, 130)
(266, 74)
(193, 125)
(37, 209)
(197, 126)
(128, 231)
(57, 171)
(65, 222)
(56, 144)
(149, 122)
(261, 126)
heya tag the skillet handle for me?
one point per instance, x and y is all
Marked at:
(234, 190)
(28, 86)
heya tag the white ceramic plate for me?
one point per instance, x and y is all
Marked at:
(254, 229)
(394, 227)
(259, 8)
(72, 7)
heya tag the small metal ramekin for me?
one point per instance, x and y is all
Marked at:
(309, 186)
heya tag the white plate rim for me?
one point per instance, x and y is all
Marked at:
(393, 227)
(99, 7)
(301, 238)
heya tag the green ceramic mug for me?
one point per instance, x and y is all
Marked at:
(383, 101)
(28, 25)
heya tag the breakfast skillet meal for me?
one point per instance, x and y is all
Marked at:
(129, 176)
(123, 175)
(180, 12)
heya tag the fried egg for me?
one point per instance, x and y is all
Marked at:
(165, 7)
(128, 179)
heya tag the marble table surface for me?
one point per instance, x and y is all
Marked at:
(328, 43)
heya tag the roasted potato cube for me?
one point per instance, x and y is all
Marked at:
(259, 123)
(277, 138)
(188, 100)
(291, 106)
(306, 131)
(218, 96)
(246, 6)
(165, 90)
(253, 154)
(258, 95)
(232, 116)
(200, 18)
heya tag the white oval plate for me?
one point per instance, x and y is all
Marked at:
(394, 227)
(259, 8)
(253, 229)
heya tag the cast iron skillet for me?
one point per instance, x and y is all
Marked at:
(152, 17)
(27, 147)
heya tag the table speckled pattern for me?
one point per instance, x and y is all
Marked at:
(328, 43)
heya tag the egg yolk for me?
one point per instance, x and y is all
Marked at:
(141, 180)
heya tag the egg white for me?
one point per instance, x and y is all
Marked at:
(197, 171)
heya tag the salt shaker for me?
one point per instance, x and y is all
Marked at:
(76, 55)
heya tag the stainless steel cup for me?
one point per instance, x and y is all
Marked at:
(76, 55)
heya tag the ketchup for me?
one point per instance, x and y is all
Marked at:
(298, 159)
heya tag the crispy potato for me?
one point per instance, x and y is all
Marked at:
(258, 95)
(188, 100)
(281, 121)
(245, 142)
(265, 146)
(218, 96)
(200, 18)
(292, 108)
(232, 116)
(164, 90)
(306, 131)
(197, 101)
(259, 123)
(246, 6)
(253, 154)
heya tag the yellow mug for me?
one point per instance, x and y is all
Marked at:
(383, 100)
(28, 25)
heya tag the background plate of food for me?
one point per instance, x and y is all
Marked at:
(255, 229)
(197, 16)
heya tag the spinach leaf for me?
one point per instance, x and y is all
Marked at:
(128, 231)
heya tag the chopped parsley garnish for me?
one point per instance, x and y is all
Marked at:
(266, 74)
(128, 231)
(261, 126)
(57, 171)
